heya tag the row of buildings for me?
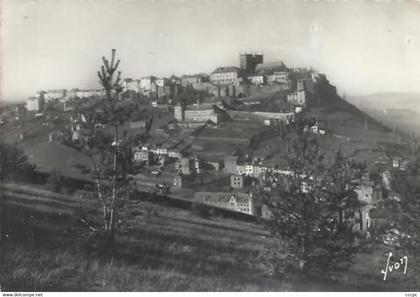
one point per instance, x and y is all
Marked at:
(38, 102)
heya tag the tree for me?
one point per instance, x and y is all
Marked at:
(398, 219)
(104, 145)
(14, 164)
(312, 210)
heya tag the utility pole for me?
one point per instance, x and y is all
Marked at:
(366, 123)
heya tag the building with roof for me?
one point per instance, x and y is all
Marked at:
(190, 80)
(240, 202)
(271, 67)
(237, 181)
(184, 166)
(141, 155)
(227, 75)
(179, 112)
(147, 83)
(297, 97)
(279, 77)
(54, 94)
(256, 79)
(35, 103)
(248, 61)
(162, 82)
(77, 93)
(197, 113)
(131, 85)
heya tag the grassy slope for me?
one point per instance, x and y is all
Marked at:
(161, 248)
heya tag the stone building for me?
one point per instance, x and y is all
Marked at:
(227, 75)
(142, 156)
(184, 166)
(279, 77)
(248, 61)
(298, 97)
(197, 113)
(240, 202)
(237, 181)
(179, 112)
(35, 104)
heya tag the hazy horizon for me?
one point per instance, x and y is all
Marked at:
(364, 48)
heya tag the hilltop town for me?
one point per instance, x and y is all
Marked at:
(213, 138)
(215, 144)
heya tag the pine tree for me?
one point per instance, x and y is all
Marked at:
(312, 211)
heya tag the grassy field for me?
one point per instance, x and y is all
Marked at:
(159, 248)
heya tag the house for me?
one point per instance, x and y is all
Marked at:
(257, 79)
(35, 103)
(249, 169)
(55, 94)
(240, 202)
(237, 181)
(162, 82)
(147, 83)
(179, 112)
(226, 75)
(174, 154)
(249, 101)
(197, 113)
(363, 218)
(279, 77)
(202, 113)
(184, 166)
(191, 80)
(76, 93)
(297, 97)
(240, 169)
(142, 156)
(131, 85)
(271, 67)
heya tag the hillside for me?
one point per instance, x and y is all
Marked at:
(161, 247)
(357, 133)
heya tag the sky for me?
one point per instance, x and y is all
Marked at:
(362, 47)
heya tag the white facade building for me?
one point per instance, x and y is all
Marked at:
(34, 104)
(226, 75)
(146, 83)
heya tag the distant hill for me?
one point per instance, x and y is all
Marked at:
(383, 101)
(399, 111)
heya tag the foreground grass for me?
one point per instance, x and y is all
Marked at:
(159, 248)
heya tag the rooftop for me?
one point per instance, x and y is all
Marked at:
(226, 69)
(221, 196)
(270, 67)
(200, 107)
